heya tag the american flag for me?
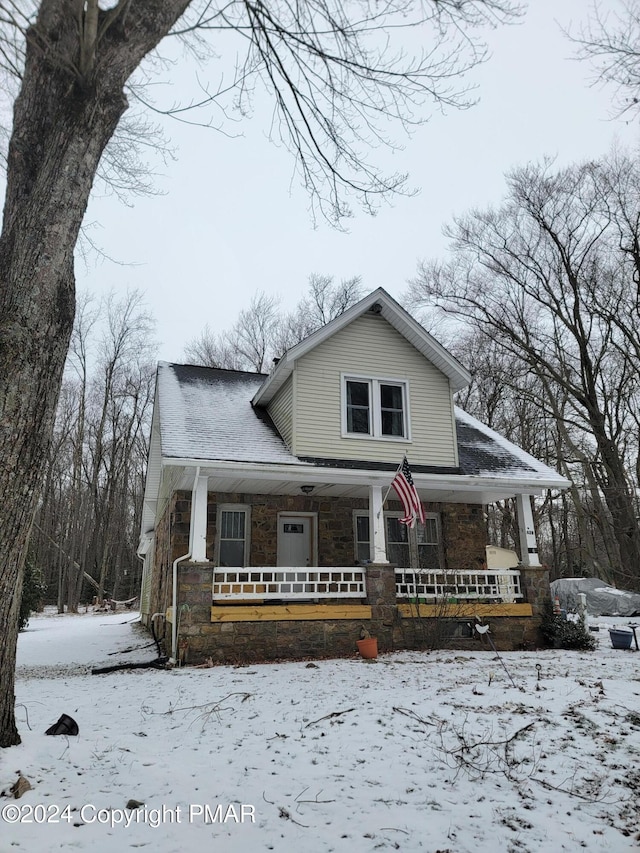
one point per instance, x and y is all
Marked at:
(408, 494)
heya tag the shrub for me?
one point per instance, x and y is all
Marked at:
(564, 633)
(33, 590)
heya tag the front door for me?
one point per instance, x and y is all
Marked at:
(295, 540)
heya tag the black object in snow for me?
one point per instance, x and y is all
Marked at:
(66, 725)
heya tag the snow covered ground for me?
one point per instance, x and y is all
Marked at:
(415, 751)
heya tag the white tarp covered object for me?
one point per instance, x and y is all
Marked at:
(602, 600)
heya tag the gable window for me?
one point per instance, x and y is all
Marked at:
(409, 548)
(392, 409)
(233, 535)
(374, 407)
(358, 407)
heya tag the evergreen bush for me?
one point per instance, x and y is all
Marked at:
(562, 633)
(33, 590)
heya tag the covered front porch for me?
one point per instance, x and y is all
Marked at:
(305, 510)
(265, 568)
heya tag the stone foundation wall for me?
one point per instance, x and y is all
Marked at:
(234, 642)
(534, 582)
(509, 633)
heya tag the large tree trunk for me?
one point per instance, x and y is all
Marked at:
(66, 112)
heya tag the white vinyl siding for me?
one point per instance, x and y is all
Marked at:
(280, 410)
(371, 347)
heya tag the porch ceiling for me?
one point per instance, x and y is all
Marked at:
(433, 493)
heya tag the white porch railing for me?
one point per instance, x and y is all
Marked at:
(461, 584)
(290, 583)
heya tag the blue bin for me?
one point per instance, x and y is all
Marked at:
(620, 639)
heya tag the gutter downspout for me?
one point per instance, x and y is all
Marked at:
(174, 595)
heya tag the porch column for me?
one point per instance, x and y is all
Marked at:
(199, 522)
(378, 552)
(528, 543)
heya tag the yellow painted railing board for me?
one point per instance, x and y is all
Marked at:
(283, 612)
(464, 609)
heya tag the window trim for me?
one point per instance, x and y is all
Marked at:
(375, 407)
(246, 509)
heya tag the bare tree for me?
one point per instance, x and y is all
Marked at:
(610, 42)
(263, 332)
(254, 330)
(212, 349)
(552, 276)
(324, 300)
(86, 522)
(336, 80)
(575, 534)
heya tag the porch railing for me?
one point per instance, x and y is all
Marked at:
(265, 584)
(289, 583)
(459, 584)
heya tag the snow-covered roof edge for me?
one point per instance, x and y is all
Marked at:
(545, 470)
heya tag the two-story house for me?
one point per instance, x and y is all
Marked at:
(270, 529)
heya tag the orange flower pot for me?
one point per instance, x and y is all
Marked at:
(368, 648)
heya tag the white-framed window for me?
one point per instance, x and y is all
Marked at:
(410, 548)
(375, 407)
(232, 541)
(363, 537)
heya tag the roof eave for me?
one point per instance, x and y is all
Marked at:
(308, 472)
(459, 377)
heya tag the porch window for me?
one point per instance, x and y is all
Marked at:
(363, 549)
(411, 548)
(375, 407)
(397, 534)
(428, 543)
(233, 538)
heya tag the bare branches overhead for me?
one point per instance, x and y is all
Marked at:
(610, 42)
(345, 79)
(265, 330)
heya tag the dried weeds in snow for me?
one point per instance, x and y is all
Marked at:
(416, 751)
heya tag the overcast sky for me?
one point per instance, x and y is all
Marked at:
(231, 222)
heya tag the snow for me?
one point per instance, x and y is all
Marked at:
(530, 467)
(206, 414)
(342, 755)
(611, 590)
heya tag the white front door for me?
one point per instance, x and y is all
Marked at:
(295, 540)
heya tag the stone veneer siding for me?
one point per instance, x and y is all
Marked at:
(462, 527)
(463, 533)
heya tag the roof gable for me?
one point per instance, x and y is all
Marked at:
(205, 414)
(379, 302)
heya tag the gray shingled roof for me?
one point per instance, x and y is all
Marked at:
(206, 413)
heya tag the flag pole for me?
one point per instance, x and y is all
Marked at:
(384, 499)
